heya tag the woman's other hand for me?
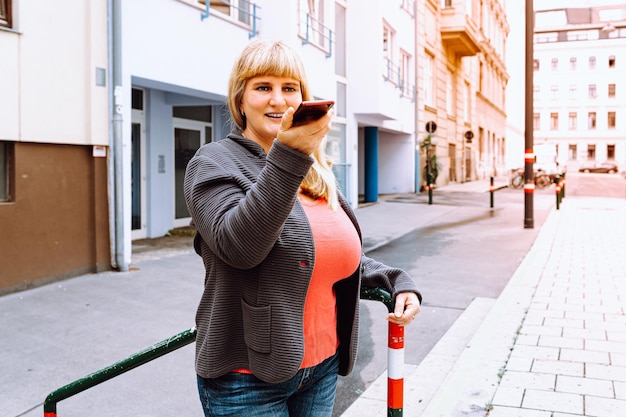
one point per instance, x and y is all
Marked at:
(406, 308)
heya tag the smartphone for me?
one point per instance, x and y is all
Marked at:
(309, 111)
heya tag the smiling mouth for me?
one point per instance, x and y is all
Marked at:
(274, 115)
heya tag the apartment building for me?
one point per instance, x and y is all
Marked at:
(105, 101)
(579, 61)
(462, 78)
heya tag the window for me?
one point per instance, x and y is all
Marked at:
(611, 90)
(536, 121)
(554, 121)
(405, 85)
(572, 152)
(573, 121)
(555, 64)
(312, 28)
(591, 152)
(428, 80)
(612, 61)
(592, 62)
(6, 178)
(240, 10)
(5, 13)
(572, 63)
(467, 102)
(611, 120)
(449, 93)
(554, 91)
(610, 152)
(572, 90)
(408, 6)
(591, 120)
(536, 91)
(388, 40)
(593, 93)
(536, 64)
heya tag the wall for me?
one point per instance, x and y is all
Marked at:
(57, 227)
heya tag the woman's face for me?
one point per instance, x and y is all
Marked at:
(265, 99)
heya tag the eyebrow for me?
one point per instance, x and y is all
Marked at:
(263, 82)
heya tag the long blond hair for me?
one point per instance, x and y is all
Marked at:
(263, 58)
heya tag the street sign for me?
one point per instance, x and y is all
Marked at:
(431, 126)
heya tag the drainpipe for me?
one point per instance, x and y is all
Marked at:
(116, 209)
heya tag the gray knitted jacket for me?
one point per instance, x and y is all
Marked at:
(258, 252)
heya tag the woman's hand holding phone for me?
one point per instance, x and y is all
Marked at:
(305, 128)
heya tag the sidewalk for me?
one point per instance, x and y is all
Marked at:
(552, 345)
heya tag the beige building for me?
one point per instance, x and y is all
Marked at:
(462, 77)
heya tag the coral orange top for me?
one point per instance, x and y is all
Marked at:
(337, 256)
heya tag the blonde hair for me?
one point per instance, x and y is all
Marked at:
(261, 58)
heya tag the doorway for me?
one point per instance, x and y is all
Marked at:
(189, 135)
(138, 167)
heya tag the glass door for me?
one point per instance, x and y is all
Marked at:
(138, 176)
(189, 135)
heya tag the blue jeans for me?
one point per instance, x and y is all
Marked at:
(309, 393)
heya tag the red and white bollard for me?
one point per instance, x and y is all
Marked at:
(395, 371)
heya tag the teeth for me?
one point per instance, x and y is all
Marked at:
(275, 114)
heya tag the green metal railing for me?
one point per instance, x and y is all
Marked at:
(155, 351)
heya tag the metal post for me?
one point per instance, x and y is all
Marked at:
(529, 157)
(557, 191)
(395, 371)
(395, 354)
(430, 189)
(491, 191)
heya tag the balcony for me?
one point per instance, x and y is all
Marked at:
(458, 32)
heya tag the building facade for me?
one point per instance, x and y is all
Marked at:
(103, 105)
(462, 78)
(579, 62)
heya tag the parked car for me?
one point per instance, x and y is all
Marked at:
(606, 167)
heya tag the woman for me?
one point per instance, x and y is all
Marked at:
(278, 319)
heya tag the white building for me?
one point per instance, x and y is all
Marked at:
(104, 101)
(579, 73)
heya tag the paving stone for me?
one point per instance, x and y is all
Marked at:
(553, 401)
(559, 367)
(514, 379)
(561, 342)
(608, 372)
(542, 330)
(604, 407)
(584, 356)
(587, 386)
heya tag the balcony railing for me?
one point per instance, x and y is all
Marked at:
(393, 73)
(314, 31)
(243, 11)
